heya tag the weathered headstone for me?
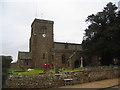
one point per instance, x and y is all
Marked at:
(81, 62)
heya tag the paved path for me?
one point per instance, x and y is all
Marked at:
(96, 84)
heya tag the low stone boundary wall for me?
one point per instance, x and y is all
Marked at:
(53, 80)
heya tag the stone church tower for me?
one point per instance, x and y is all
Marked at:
(43, 49)
(41, 42)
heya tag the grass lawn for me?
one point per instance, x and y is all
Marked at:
(23, 72)
(36, 71)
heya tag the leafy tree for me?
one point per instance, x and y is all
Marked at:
(102, 35)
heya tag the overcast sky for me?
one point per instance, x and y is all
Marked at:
(69, 17)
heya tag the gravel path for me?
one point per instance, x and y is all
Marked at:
(96, 84)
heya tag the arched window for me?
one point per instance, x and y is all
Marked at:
(43, 55)
(52, 57)
(63, 59)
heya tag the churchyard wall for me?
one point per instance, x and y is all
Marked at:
(57, 80)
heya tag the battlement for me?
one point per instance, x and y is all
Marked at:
(42, 21)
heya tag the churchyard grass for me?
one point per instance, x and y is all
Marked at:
(37, 71)
(25, 72)
(76, 69)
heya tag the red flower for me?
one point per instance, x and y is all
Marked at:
(46, 65)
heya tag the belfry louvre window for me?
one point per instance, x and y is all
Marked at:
(63, 58)
(66, 46)
(43, 29)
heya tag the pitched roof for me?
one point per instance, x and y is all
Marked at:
(67, 43)
(24, 55)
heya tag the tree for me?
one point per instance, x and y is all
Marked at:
(102, 35)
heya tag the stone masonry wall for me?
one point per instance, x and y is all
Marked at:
(53, 80)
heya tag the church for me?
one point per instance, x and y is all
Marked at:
(43, 49)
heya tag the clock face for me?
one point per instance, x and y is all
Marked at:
(44, 35)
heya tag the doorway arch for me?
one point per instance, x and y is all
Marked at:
(77, 64)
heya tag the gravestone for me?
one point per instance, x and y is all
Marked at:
(81, 62)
